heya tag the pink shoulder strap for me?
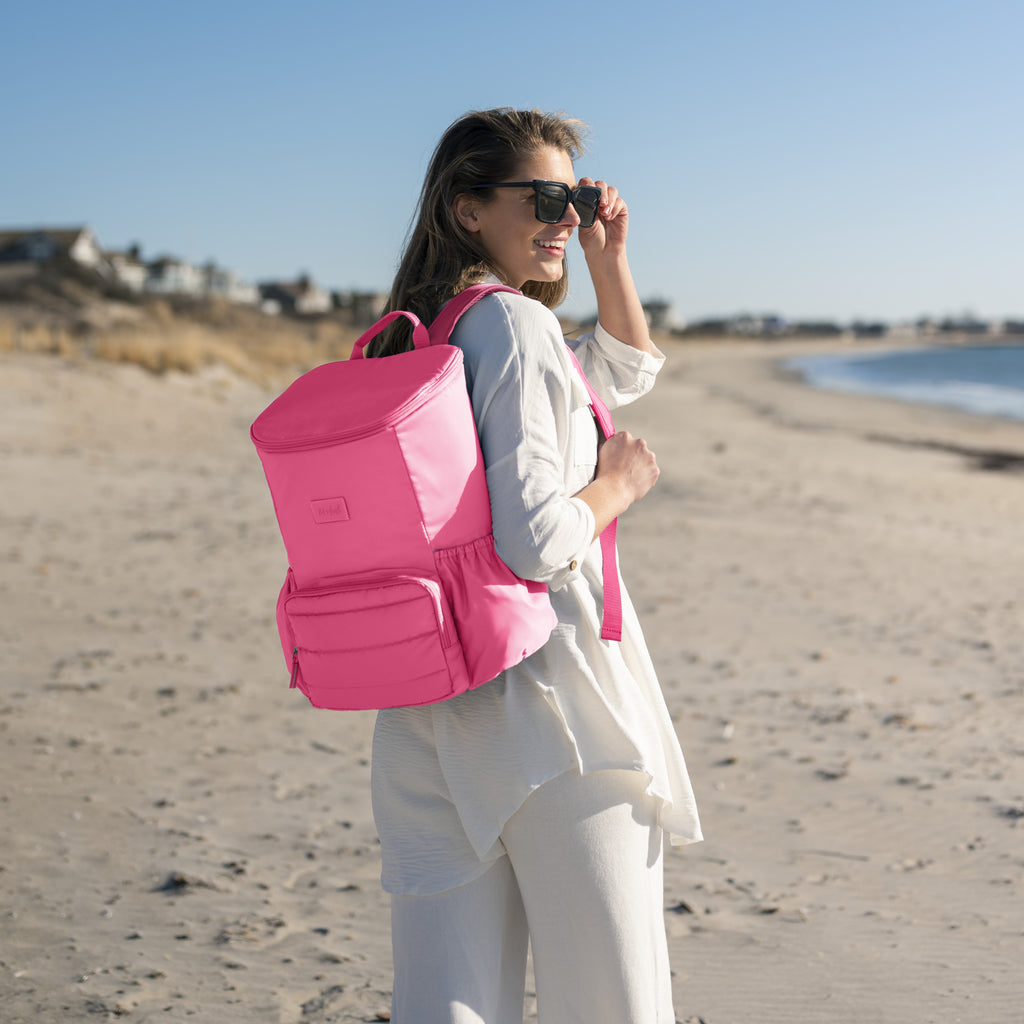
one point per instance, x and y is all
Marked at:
(611, 618)
(445, 321)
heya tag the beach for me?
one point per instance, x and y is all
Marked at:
(830, 589)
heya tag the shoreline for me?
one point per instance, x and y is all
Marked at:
(764, 383)
(830, 592)
(976, 387)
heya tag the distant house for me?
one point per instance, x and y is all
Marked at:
(128, 267)
(301, 297)
(41, 245)
(658, 313)
(869, 329)
(226, 284)
(1010, 327)
(712, 328)
(170, 276)
(362, 308)
(966, 324)
(815, 329)
(758, 326)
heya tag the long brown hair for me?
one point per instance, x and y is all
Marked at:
(441, 258)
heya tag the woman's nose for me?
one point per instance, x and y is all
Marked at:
(570, 217)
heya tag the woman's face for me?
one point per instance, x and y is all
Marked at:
(520, 246)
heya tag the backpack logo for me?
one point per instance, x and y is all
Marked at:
(329, 510)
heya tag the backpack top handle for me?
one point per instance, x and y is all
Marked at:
(420, 337)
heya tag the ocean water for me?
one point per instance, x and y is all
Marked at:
(987, 380)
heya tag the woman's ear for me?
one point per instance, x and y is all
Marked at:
(465, 207)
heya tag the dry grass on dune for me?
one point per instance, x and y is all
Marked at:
(160, 338)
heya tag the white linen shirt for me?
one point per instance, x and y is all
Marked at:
(446, 777)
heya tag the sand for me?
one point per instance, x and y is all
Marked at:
(830, 586)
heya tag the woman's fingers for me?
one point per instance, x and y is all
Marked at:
(630, 462)
(612, 204)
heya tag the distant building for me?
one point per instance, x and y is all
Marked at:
(363, 308)
(1009, 327)
(711, 328)
(129, 268)
(815, 329)
(869, 329)
(41, 245)
(226, 284)
(301, 297)
(658, 313)
(757, 326)
(966, 324)
(171, 276)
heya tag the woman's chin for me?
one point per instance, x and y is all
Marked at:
(549, 274)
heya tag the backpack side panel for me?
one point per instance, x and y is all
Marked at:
(445, 467)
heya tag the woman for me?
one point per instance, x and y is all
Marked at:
(533, 808)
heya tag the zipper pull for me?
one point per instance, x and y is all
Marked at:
(295, 668)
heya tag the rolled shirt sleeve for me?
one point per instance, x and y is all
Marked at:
(619, 373)
(517, 375)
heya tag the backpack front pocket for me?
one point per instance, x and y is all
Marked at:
(374, 642)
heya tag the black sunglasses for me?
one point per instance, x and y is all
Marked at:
(552, 198)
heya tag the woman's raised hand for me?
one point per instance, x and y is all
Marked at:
(608, 234)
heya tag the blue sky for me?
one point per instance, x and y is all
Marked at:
(812, 159)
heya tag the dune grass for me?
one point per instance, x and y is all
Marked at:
(256, 346)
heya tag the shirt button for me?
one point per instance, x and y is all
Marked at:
(572, 565)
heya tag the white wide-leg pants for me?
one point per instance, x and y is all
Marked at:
(582, 882)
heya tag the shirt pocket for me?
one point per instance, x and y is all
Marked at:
(584, 447)
(583, 437)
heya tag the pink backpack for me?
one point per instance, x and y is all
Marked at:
(395, 595)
